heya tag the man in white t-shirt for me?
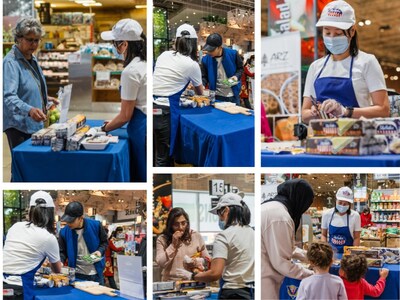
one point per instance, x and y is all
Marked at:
(341, 226)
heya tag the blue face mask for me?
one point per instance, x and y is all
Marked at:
(342, 208)
(116, 54)
(337, 44)
(221, 224)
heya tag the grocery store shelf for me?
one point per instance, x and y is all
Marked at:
(378, 210)
(111, 72)
(105, 57)
(389, 221)
(392, 201)
(104, 89)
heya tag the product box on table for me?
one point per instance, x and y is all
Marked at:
(342, 127)
(37, 138)
(389, 255)
(365, 145)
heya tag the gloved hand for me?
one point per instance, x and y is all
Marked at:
(332, 107)
(184, 274)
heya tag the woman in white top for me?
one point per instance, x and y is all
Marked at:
(233, 250)
(280, 219)
(29, 243)
(129, 40)
(173, 72)
(348, 82)
(341, 226)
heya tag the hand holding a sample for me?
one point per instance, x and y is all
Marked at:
(182, 273)
(37, 114)
(333, 108)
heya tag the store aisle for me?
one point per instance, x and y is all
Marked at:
(6, 150)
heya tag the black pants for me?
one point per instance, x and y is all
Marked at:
(16, 137)
(112, 283)
(244, 293)
(162, 131)
(18, 291)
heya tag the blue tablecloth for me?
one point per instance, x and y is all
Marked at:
(269, 159)
(40, 164)
(290, 286)
(209, 137)
(70, 293)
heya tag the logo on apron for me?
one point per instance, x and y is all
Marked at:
(338, 239)
(292, 291)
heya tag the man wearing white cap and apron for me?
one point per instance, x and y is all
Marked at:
(130, 42)
(28, 244)
(173, 72)
(341, 226)
(346, 82)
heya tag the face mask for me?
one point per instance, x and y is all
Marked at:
(116, 54)
(221, 224)
(342, 208)
(336, 45)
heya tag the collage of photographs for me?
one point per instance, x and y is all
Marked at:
(269, 166)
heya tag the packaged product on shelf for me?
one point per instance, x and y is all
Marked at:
(389, 255)
(342, 127)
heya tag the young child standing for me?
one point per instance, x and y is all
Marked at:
(321, 285)
(352, 270)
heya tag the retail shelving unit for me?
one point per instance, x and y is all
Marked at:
(109, 91)
(385, 206)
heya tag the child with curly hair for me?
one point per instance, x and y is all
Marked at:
(352, 270)
(321, 285)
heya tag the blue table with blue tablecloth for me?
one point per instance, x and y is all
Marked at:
(290, 286)
(40, 164)
(270, 159)
(209, 137)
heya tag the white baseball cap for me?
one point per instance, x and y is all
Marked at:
(345, 194)
(229, 199)
(188, 28)
(124, 30)
(337, 14)
(41, 195)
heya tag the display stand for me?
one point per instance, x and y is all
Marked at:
(105, 93)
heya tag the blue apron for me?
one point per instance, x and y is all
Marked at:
(175, 118)
(27, 282)
(340, 236)
(137, 140)
(338, 88)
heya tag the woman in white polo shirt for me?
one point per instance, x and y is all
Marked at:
(129, 40)
(233, 250)
(341, 226)
(348, 82)
(173, 72)
(29, 243)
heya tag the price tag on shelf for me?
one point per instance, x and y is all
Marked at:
(103, 75)
(216, 187)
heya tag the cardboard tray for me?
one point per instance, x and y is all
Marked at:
(98, 290)
(235, 110)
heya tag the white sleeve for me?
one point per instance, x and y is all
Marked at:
(357, 222)
(195, 74)
(52, 249)
(130, 84)
(301, 293)
(309, 85)
(220, 247)
(373, 75)
(325, 221)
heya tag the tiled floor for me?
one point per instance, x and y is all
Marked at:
(6, 150)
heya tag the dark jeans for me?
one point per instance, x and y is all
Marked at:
(16, 137)
(234, 99)
(245, 293)
(112, 283)
(18, 291)
(98, 278)
(161, 131)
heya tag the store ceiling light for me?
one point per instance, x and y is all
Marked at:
(398, 69)
(140, 6)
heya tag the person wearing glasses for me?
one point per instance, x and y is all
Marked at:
(175, 242)
(130, 41)
(233, 251)
(24, 86)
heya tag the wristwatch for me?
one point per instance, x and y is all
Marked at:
(350, 111)
(103, 127)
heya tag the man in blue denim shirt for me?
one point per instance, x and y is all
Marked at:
(24, 87)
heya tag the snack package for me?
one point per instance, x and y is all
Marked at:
(91, 258)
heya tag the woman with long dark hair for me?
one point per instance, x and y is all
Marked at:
(29, 243)
(233, 250)
(173, 72)
(130, 41)
(177, 241)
